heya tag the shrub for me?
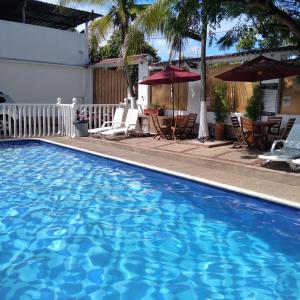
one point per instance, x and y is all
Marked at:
(255, 104)
(220, 106)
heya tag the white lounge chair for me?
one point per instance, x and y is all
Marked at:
(115, 123)
(130, 125)
(289, 152)
(295, 164)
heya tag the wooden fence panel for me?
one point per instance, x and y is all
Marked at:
(110, 87)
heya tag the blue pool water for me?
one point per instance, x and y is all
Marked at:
(77, 226)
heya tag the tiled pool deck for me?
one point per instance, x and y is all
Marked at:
(225, 165)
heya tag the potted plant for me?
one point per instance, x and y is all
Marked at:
(220, 108)
(155, 109)
(255, 104)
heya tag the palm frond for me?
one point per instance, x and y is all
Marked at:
(152, 19)
(78, 2)
(101, 27)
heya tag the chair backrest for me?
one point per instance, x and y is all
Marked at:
(293, 139)
(235, 122)
(132, 117)
(276, 127)
(155, 123)
(181, 122)
(191, 120)
(288, 128)
(247, 124)
(118, 116)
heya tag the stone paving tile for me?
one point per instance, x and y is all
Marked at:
(176, 147)
(210, 152)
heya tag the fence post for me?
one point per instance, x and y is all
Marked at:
(59, 116)
(74, 108)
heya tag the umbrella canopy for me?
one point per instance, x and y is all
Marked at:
(258, 69)
(170, 75)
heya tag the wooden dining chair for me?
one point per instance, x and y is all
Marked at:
(252, 134)
(287, 128)
(191, 121)
(283, 133)
(275, 129)
(162, 131)
(179, 128)
(237, 132)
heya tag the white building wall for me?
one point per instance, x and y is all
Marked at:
(39, 64)
(43, 83)
(41, 44)
(143, 90)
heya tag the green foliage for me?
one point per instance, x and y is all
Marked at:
(255, 104)
(221, 103)
(157, 105)
(255, 30)
(113, 47)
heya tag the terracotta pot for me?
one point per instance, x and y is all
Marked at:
(219, 131)
(153, 111)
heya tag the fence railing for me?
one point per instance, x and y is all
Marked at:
(40, 120)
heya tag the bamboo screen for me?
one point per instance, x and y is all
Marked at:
(110, 87)
(161, 94)
(290, 89)
(238, 93)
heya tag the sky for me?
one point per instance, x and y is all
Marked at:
(192, 48)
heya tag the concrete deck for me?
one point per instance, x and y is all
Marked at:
(236, 167)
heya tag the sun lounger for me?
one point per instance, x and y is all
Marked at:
(130, 125)
(114, 124)
(289, 152)
(295, 164)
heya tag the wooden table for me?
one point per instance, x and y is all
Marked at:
(263, 128)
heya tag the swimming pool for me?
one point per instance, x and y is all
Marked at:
(78, 226)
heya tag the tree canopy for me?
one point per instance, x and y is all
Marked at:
(113, 47)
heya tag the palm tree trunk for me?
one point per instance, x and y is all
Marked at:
(203, 126)
(124, 32)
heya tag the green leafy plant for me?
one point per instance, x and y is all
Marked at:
(157, 105)
(221, 103)
(255, 104)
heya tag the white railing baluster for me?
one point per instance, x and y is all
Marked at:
(20, 122)
(9, 114)
(24, 121)
(48, 120)
(4, 121)
(29, 121)
(37, 120)
(34, 114)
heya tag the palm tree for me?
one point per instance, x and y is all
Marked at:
(177, 21)
(120, 16)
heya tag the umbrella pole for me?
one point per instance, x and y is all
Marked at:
(172, 97)
(260, 86)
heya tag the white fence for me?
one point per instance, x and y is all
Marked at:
(40, 120)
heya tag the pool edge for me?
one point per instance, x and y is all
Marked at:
(211, 183)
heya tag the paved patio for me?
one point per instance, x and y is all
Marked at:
(236, 167)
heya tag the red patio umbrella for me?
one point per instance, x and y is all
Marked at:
(171, 75)
(258, 69)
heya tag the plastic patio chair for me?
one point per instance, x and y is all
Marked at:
(115, 123)
(288, 153)
(130, 126)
